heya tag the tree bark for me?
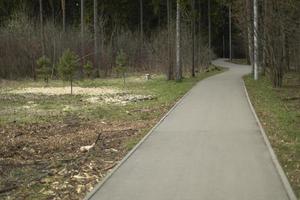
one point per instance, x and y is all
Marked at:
(96, 49)
(82, 34)
(199, 37)
(223, 44)
(51, 3)
(209, 30)
(82, 18)
(249, 31)
(230, 34)
(42, 27)
(63, 7)
(255, 16)
(193, 38)
(170, 64)
(178, 43)
(264, 42)
(141, 28)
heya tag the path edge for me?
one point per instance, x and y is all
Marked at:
(287, 186)
(107, 177)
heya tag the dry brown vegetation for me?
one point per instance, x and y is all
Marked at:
(45, 161)
(43, 152)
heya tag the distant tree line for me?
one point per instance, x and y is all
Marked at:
(97, 31)
(174, 37)
(278, 35)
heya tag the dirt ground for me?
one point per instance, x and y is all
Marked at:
(66, 90)
(46, 133)
(45, 161)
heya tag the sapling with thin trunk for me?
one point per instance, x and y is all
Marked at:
(44, 68)
(67, 66)
(88, 69)
(121, 62)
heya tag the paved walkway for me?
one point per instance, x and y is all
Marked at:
(208, 148)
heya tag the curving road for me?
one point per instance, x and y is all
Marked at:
(208, 148)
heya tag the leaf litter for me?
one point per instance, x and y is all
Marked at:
(44, 161)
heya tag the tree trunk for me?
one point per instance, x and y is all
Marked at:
(82, 22)
(82, 33)
(63, 8)
(255, 17)
(287, 52)
(54, 58)
(193, 38)
(264, 43)
(71, 80)
(178, 45)
(223, 44)
(51, 3)
(96, 50)
(42, 27)
(141, 30)
(209, 31)
(199, 37)
(170, 63)
(230, 34)
(249, 31)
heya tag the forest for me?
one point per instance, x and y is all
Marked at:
(145, 32)
(128, 62)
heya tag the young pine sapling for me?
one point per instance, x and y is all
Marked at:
(121, 64)
(67, 66)
(44, 68)
(88, 69)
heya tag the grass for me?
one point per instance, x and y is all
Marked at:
(50, 130)
(17, 108)
(279, 112)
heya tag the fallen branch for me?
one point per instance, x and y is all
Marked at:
(89, 147)
(8, 189)
(98, 138)
(291, 98)
(110, 167)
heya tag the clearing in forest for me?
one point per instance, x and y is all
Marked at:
(44, 130)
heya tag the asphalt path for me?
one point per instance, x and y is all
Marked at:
(209, 147)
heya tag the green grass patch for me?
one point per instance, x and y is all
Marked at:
(279, 112)
(39, 108)
(53, 128)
